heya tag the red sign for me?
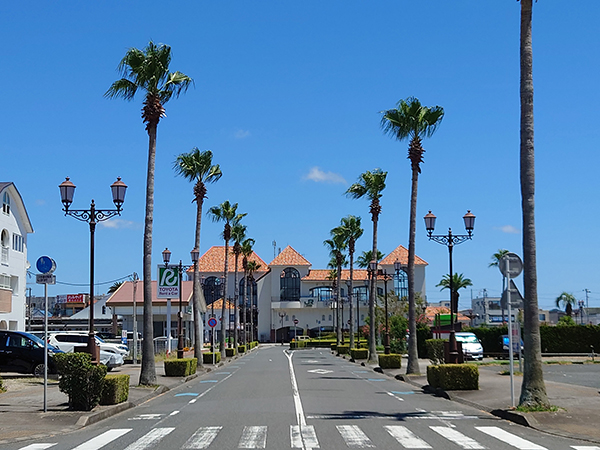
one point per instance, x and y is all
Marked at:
(70, 298)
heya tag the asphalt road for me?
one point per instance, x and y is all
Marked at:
(307, 399)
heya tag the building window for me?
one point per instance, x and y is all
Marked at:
(289, 285)
(18, 243)
(323, 317)
(6, 203)
(252, 291)
(401, 283)
(5, 282)
(212, 289)
(321, 293)
(5, 246)
(361, 293)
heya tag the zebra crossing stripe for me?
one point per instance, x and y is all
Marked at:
(202, 438)
(103, 439)
(304, 437)
(406, 437)
(37, 447)
(510, 439)
(254, 437)
(150, 438)
(457, 437)
(354, 436)
(585, 447)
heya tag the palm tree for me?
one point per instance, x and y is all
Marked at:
(253, 266)
(351, 230)
(246, 250)
(411, 120)
(197, 166)
(458, 282)
(496, 258)
(366, 257)
(148, 71)
(114, 287)
(567, 301)
(336, 246)
(225, 212)
(533, 389)
(370, 185)
(238, 234)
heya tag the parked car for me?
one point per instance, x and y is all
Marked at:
(471, 346)
(505, 345)
(111, 355)
(24, 353)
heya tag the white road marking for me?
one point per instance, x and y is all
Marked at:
(202, 438)
(103, 439)
(254, 437)
(320, 371)
(174, 413)
(406, 437)
(146, 417)
(193, 400)
(510, 439)
(354, 437)
(457, 437)
(397, 398)
(150, 438)
(585, 447)
(304, 437)
(37, 447)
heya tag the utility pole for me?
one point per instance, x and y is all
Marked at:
(587, 300)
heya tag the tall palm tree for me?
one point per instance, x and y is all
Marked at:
(351, 230)
(366, 257)
(533, 389)
(253, 266)
(148, 70)
(336, 246)
(238, 234)
(370, 185)
(113, 288)
(567, 301)
(197, 166)
(411, 120)
(246, 251)
(225, 212)
(496, 258)
(458, 282)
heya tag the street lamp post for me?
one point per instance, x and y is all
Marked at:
(92, 216)
(180, 267)
(386, 344)
(581, 303)
(450, 240)
(282, 315)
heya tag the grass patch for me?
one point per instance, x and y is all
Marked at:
(515, 372)
(537, 408)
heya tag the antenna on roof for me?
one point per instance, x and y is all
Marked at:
(279, 250)
(274, 247)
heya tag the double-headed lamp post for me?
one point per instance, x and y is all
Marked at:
(166, 254)
(450, 240)
(92, 216)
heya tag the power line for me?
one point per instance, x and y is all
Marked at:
(87, 284)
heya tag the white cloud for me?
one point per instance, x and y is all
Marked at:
(119, 223)
(241, 134)
(318, 176)
(509, 229)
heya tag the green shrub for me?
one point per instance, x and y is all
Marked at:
(435, 350)
(391, 361)
(207, 357)
(241, 349)
(454, 377)
(359, 353)
(230, 352)
(320, 343)
(333, 346)
(81, 380)
(1, 385)
(343, 349)
(180, 367)
(115, 390)
(297, 344)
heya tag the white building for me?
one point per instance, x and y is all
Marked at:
(14, 227)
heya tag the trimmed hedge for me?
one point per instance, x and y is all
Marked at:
(241, 349)
(115, 390)
(252, 344)
(343, 349)
(207, 357)
(333, 347)
(391, 361)
(321, 343)
(180, 367)
(1, 385)
(81, 380)
(230, 352)
(435, 350)
(359, 353)
(453, 377)
(297, 344)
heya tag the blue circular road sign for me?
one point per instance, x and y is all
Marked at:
(212, 322)
(45, 264)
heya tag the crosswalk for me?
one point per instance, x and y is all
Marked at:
(305, 437)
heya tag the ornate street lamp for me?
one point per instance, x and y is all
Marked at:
(450, 240)
(92, 216)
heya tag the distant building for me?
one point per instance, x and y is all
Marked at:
(14, 228)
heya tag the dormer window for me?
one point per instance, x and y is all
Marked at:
(6, 203)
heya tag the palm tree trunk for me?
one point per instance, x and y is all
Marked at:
(372, 293)
(244, 316)
(223, 319)
(533, 389)
(148, 369)
(412, 366)
(235, 296)
(350, 300)
(338, 294)
(198, 323)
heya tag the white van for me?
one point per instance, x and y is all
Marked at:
(471, 346)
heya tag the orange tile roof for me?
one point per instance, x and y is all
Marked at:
(213, 261)
(124, 295)
(400, 253)
(323, 275)
(431, 312)
(218, 305)
(290, 257)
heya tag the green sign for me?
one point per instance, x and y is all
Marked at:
(168, 282)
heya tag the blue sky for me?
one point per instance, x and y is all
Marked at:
(287, 96)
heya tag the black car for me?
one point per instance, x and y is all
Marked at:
(24, 353)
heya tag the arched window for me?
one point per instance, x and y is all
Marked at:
(6, 203)
(252, 292)
(4, 241)
(212, 289)
(401, 283)
(289, 285)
